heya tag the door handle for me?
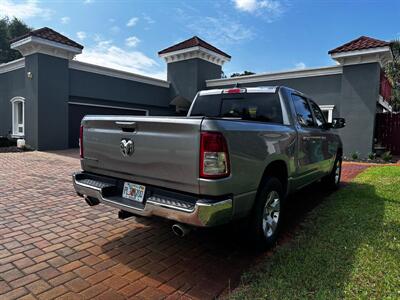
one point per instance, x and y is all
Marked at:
(313, 138)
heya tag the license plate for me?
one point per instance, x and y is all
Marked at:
(134, 192)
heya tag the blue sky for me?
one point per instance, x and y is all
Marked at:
(260, 35)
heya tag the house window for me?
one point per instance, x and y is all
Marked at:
(18, 116)
(327, 110)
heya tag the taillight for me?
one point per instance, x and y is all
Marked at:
(214, 157)
(81, 141)
(234, 91)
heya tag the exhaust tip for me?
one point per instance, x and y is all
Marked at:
(180, 230)
(91, 201)
(122, 214)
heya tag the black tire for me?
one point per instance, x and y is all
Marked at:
(261, 237)
(332, 181)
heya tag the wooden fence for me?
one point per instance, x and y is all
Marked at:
(387, 131)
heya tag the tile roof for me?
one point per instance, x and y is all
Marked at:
(361, 43)
(193, 42)
(51, 35)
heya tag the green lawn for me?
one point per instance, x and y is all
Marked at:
(349, 247)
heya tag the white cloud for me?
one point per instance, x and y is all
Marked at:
(132, 41)
(148, 19)
(270, 9)
(88, 1)
(65, 20)
(115, 29)
(300, 65)
(132, 22)
(24, 10)
(97, 38)
(81, 35)
(106, 53)
(221, 30)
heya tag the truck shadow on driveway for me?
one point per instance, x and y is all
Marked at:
(207, 261)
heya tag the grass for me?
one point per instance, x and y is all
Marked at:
(348, 247)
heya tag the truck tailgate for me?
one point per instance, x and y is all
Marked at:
(166, 149)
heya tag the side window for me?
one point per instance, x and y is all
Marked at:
(18, 118)
(319, 116)
(303, 111)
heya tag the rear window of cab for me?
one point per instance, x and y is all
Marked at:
(260, 107)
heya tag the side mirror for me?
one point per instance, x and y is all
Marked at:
(338, 123)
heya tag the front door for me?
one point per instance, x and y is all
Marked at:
(327, 141)
(310, 143)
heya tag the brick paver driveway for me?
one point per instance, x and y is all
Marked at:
(52, 245)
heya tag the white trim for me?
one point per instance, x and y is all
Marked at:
(195, 52)
(262, 89)
(15, 127)
(33, 44)
(329, 109)
(323, 71)
(86, 67)
(12, 65)
(379, 54)
(361, 52)
(385, 104)
(109, 106)
(210, 92)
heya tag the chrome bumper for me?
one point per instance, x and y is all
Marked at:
(203, 213)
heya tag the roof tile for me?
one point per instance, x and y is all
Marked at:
(361, 43)
(50, 35)
(193, 42)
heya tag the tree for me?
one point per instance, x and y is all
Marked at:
(392, 70)
(242, 74)
(10, 29)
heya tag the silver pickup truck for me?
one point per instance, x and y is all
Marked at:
(237, 154)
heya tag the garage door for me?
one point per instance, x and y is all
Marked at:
(78, 110)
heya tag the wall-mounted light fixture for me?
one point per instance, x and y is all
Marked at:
(30, 75)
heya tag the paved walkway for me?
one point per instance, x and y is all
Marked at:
(351, 170)
(52, 245)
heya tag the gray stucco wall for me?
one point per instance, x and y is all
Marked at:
(31, 102)
(360, 91)
(12, 84)
(187, 77)
(53, 97)
(325, 90)
(110, 89)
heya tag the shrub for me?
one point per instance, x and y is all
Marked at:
(371, 155)
(387, 156)
(5, 142)
(355, 155)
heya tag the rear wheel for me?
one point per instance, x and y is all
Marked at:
(267, 214)
(332, 181)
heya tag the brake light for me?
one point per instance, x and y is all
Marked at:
(214, 157)
(234, 91)
(81, 141)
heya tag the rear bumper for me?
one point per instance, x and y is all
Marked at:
(203, 212)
